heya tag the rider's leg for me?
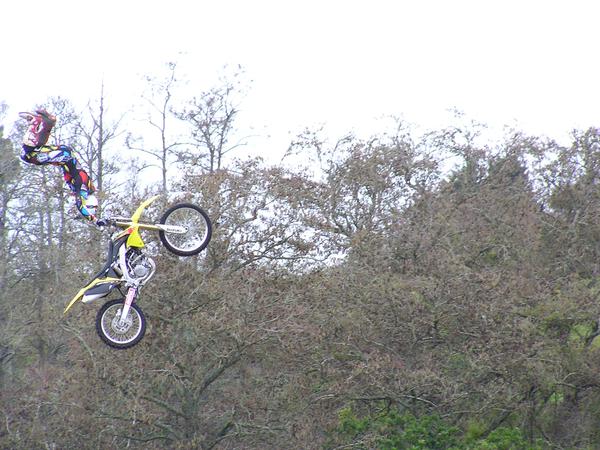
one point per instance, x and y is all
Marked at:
(75, 177)
(47, 154)
(29, 155)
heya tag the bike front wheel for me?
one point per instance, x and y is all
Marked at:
(198, 229)
(118, 333)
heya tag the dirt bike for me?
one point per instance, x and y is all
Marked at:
(184, 229)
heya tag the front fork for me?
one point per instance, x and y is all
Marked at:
(131, 295)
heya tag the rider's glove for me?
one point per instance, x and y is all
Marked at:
(101, 222)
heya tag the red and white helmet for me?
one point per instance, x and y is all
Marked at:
(91, 204)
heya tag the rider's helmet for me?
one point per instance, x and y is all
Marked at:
(90, 203)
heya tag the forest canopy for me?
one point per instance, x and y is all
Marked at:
(367, 292)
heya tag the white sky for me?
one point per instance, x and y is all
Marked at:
(529, 63)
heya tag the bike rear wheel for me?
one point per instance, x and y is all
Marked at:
(198, 229)
(116, 333)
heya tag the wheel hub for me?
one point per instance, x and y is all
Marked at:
(121, 326)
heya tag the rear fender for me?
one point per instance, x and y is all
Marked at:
(83, 290)
(98, 291)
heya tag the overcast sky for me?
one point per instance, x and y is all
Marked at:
(532, 64)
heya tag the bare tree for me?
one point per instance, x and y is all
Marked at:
(96, 135)
(159, 98)
(212, 117)
(9, 192)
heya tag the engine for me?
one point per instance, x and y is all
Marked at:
(140, 266)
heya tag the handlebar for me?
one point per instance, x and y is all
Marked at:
(112, 221)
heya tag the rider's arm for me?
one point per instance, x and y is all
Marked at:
(83, 210)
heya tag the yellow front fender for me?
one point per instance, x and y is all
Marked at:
(138, 212)
(135, 239)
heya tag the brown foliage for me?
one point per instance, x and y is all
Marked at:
(471, 294)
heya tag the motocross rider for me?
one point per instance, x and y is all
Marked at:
(35, 151)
